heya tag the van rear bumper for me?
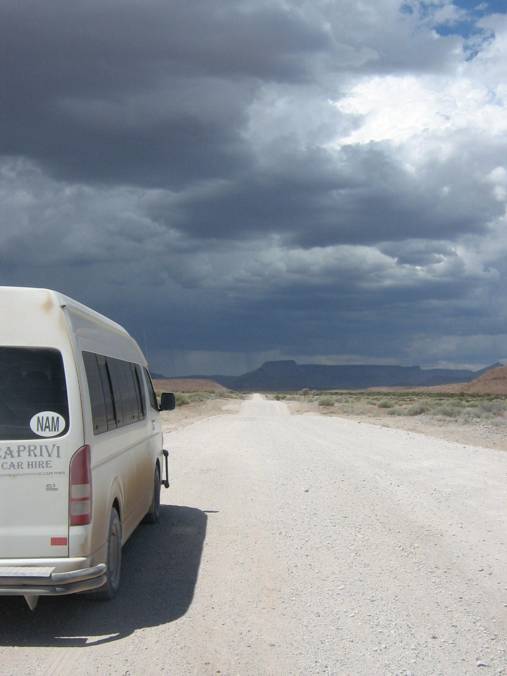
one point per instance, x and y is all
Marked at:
(46, 581)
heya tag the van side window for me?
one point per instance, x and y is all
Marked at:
(151, 391)
(118, 383)
(136, 374)
(96, 392)
(130, 393)
(129, 406)
(108, 392)
(116, 396)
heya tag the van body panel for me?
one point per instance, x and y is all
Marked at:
(34, 472)
(115, 479)
(93, 333)
(34, 481)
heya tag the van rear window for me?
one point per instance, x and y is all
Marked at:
(33, 394)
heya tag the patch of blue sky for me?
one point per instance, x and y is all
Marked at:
(475, 9)
(406, 8)
(465, 28)
(474, 38)
(484, 7)
(464, 23)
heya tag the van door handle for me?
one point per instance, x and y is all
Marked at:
(153, 425)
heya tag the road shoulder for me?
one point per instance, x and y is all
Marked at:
(480, 434)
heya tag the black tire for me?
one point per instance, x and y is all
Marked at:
(153, 514)
(114, 538)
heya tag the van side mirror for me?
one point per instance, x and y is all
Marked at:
(167, 401)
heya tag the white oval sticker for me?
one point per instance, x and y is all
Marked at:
(47, 424)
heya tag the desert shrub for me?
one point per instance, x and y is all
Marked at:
(385, 403)
(417, 409)
(396, 410)
(495, 406)
(470, 415)
(326, 401)
(182, 399)
(448, 411)
(411, 410)
(279, 397)
(357, 406)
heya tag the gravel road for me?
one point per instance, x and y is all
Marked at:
(296, 544)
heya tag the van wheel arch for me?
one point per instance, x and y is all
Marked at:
(114, 556)
(116, 505)
(153, 514)
(115, 499)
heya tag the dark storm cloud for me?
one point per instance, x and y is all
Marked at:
(150, 94)
(315, 197)
(156, 93)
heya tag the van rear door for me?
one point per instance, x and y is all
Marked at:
(35, 450)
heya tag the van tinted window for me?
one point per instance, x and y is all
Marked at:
(107, 388)
(32, 381)
(129, 406)
(116, 397)
(96, 392)
(122, 390)
(151, 391)
(136, 374)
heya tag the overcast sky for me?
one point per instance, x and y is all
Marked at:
(242, 180)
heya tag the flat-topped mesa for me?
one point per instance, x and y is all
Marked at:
(287, 374)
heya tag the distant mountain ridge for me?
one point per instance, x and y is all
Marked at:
(288, 375)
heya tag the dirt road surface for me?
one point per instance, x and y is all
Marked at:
(296, 545)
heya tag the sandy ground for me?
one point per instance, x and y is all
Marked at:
(191, 413)
(296, 544)
(482, 433)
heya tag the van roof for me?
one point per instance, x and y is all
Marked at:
(63, 301)
(14, 298)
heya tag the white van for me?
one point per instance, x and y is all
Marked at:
(81, 455)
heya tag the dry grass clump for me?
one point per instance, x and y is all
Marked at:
(419, 408)
(326, 401)
(385, 403)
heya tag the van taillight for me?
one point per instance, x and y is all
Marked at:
(80, 489)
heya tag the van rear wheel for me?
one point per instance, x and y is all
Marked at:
(109, 589)
(153, 514)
